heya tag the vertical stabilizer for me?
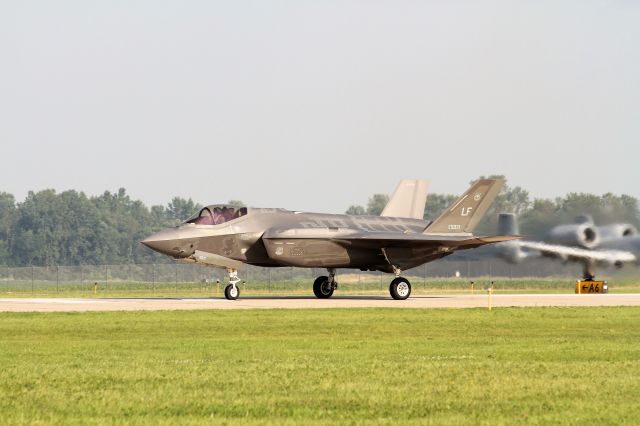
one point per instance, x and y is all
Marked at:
(408, 200)
(507, 224)
(468, 210)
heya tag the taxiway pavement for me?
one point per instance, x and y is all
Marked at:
(301, 302)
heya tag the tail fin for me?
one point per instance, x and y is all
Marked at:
(512, 251)
(509, 251)
(408, 200)
(468, 210)
(507, 224)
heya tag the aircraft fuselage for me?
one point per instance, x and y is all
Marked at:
(244, 240)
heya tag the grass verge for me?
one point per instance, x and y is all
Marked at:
(540, 365)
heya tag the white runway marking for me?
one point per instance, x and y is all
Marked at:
(297, 302)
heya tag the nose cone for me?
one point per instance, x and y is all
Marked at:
(169, 242)
(158, 244)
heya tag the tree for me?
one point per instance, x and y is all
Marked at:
(236, 203)
(376, 204)
(7, 216)
(53, 229)
(356, 210)
(180, 209)
(541, 217)
(436, 204)
(622, 208)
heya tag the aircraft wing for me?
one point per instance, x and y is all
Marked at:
(354, 237)
(409, 240)
(574, 254)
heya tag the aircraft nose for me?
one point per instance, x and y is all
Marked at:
(159, 245)
(168, 242)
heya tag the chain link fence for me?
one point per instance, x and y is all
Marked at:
(182, 279)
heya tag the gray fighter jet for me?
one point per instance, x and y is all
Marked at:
(398, 239)
(582, 242)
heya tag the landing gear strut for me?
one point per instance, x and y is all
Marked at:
(232, 291)
(400, 288)
(587, 272)
(324, 286)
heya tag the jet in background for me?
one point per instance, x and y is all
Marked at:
(398, 239)
(581, 242)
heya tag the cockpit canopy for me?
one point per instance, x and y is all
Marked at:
(217, 214)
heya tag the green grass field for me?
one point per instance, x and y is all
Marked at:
(538, 365)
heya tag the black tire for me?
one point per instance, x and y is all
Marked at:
(400, 288)
(322, 288)
(229, 294)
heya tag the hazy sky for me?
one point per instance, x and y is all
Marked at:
(315, 105)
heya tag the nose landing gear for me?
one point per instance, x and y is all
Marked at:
(232, 291)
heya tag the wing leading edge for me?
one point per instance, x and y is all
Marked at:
(607, 257)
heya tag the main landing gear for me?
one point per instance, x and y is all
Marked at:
(324, 286)
(587, 272)
(232, 291)
(400, 288)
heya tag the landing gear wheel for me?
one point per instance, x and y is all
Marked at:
(322, 287)
(400, 288)
(231, 292)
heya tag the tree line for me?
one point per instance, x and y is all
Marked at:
(69, 228)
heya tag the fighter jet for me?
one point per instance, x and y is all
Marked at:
(581, 242)
(228, 237)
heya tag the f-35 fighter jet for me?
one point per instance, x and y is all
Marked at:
(398, 239)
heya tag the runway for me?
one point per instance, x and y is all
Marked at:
(303, 302)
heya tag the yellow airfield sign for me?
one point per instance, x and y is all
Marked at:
(585, 287)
